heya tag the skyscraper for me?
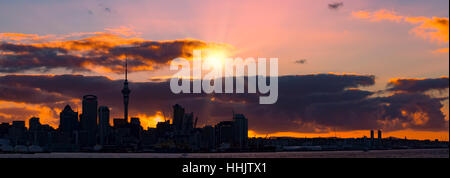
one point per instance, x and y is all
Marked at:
(372, 137)
(178, 116)
(34, 124)
(89, 118)
(68, 120)
(103, 123)
(240, 131)
(379, 136)
(126, 93)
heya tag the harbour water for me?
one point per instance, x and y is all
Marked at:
(409, 153)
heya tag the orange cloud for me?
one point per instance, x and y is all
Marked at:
(378, 15)
(435, 29)
(100, 52)
(10, 111)
(442, 50)
(22, 37)
(151, 121)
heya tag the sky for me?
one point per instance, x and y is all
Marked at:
(345, 67)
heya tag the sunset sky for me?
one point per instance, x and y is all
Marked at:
(344, 68)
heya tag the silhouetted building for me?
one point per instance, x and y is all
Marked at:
(240, 131)
(178, 116)
(372, 137)
(208, 138)
(380, 138)
(68, 121)
(163, 128)
(4, 128)
(136, 128)
(89, 118)
(34, 127)
(188, 123)
(103, 124)
(34, 124)
(17, 133)
(224, 134)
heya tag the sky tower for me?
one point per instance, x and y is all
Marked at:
(126, 93)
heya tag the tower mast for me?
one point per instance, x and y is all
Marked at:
(125, 92)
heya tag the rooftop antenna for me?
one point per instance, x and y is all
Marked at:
(165, 119)
(195, 123)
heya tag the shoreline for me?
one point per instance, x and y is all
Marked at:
(398, 153)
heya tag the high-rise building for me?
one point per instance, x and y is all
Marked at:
(178, 116)
(126, 93)
(68, 120)
(240, 131)
(188, 122)
(17, 132)
(34, 124)
(89, 118)
(224, 133)
(103, 124)
(135, 127)
(379, 136)
(208, 138)
(372, 137)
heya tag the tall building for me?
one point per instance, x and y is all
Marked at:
(136, 128)
(240, 131)
(34, 124)
(89, 118)
(224, 133)
(68, 120)
(379, 136)
(17, 132)
(126, 93)
(372, 137)
(188, 122)
(208, 138)
(103, 124)
(178, 116)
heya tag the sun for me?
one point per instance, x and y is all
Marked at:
(215, 58)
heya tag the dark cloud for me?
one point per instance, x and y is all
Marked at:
(300, 61)
(335, 5)
(306, 103)
(418, 85)
(99, 51)
(29, 95)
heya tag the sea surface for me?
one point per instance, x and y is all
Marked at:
(410, 153)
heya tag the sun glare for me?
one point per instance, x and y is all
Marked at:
(215, 58)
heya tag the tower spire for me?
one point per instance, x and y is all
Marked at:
(125, 92)
(126, 68)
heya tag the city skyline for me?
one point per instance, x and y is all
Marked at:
(345, 68)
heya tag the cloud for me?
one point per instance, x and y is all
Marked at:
(378, 15)
(418, 85)
(434, 29)
(300, 61)
(307, 103)
(101, 52)
(442, 50)
(335, 5)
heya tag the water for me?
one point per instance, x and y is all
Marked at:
(413, 153)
